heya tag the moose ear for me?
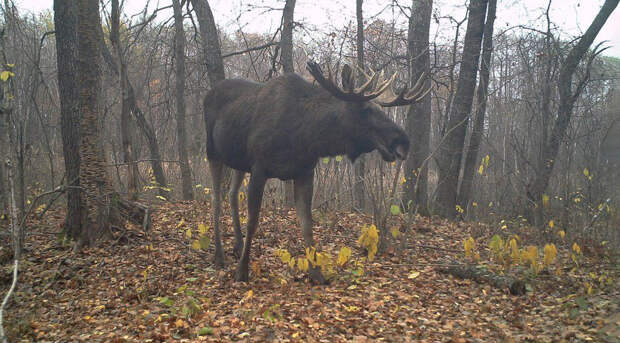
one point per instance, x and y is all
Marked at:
(347, 78)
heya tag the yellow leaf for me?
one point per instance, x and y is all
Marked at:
(481, 169)
(10, 65)
(370, 240)
(181, 223)
(459, 209)
(413, 275)
(561, 233)
(403, 180)
(352, 287)
(302, 264)
(576, 248)
(161, 198)
(202, 228)
(284, 255)
(343, 256)
(474, 204)
(395, 232)
(195, 244)
(586, 172)
(545, 200)
(249, 295)
(4, 76)
(291, 263)
(551, 224)
(486, 160)
(207, 190)
(179, 323)
(188, 233)
(352, 308)
(550, 252)
(469, 246)
(514, 250)
(338, 158)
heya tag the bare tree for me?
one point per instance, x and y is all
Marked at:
(179, 56)
(568, 97)
(210, 40)
(419, 114)
(65, 21)
(452, 144)
(359, 166)
(97, 204)
(125, 122)
(481, 108)
(130, 100)
(286, 59)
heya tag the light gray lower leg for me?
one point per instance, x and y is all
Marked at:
(216, 177)
(303, 203)
(255, 197)
(237, 178)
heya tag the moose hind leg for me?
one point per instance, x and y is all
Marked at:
(303, 203)
(255, 197)
(216, 175)
(233, 195)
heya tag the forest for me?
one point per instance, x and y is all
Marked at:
(296, 171)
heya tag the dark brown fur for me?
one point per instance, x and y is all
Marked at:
(280, 129)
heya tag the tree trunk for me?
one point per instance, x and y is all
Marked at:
(65, 21)
(482, 94)
(567, 100)
(125, 124)
(210, 41)
(419, 114)
(179, 55)
(4, 199)
(98, 201)
(286, 59)
(451, 149)
(359, 166)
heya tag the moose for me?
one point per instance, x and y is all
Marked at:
(280, 129)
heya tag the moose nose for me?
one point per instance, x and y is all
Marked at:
(401, 152)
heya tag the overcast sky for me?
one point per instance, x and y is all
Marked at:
(572, 16)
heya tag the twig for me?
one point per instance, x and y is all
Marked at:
(139, 161)
(260, 47)
(6, 299)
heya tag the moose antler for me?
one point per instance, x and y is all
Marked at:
(406, 96)
(358, 94)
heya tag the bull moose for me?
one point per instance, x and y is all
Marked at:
(280, 129)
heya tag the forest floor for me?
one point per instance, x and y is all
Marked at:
(154, 287)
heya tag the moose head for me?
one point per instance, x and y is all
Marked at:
(281, 128)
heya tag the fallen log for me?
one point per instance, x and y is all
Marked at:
(483, 275)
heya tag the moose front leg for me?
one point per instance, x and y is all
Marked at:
(303, 203)
(216, 176)
(234, 207)
(255, 197)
